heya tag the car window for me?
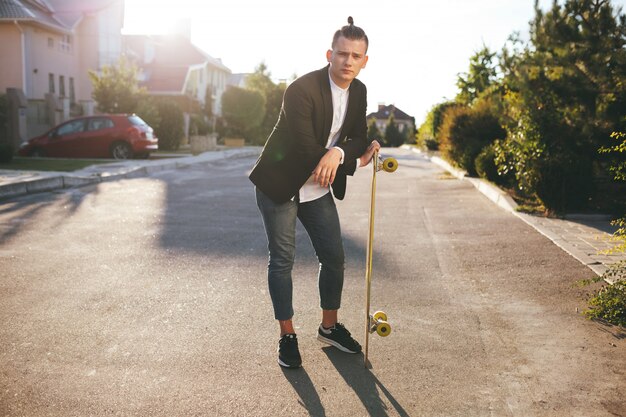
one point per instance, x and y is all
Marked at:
(74, 126)
(98, 123)
(136, 120)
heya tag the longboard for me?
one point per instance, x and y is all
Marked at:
(376, 322)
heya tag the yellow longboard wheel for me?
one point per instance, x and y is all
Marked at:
(390, 164)
(383, 328)
(380, 315)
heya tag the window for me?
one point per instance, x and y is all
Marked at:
(66, 43)
(62, 85)
(136, 120)
(74, 126)
(51, 83)
(98, 123)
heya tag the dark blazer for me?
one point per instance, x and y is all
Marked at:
(297, 142)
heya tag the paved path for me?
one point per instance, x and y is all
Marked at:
(147, 296)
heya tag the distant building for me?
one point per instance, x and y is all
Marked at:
(238, 80)
(48, 48)
(404, 121)
(171, 65)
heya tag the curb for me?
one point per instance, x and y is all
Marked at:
(100, 173)
(504, 201)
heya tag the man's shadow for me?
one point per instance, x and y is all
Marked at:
(365, 384)
(302, 384)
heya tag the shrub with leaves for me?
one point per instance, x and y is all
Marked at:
(609, 303)
(486, 167)
(564, 93)
(6, 153)
(464, 134)
(116, 89)
(243, 112)
(170, 131)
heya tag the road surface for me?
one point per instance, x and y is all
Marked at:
(148, 296)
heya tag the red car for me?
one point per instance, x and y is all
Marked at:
(117, 136)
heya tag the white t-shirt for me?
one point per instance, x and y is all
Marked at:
(311, 190)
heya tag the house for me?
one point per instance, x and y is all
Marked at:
(238, 80)
(171, 65)
(405, 122)
(48, 48)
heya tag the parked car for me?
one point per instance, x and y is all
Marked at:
(118, 136)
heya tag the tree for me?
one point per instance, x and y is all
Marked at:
(260, 80)
(482, 74)
(243, 111)
(116, 89)
(564, 94)
(373, 133)
(170, 131)
(393, 136)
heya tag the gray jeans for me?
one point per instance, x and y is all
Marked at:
(321, 221)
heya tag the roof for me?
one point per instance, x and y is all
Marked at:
(60, 15)
(11, 9)
(169, 59)
(238, 80)
(169, 49)
(385, 111)
(165, 79)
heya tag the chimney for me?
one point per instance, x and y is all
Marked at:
(381, 106)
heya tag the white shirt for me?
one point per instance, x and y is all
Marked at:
(311, 190)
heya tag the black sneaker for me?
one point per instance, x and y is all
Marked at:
(288, 354)
(339, 337)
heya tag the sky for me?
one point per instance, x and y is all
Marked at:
(417, 48)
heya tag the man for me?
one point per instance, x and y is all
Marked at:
(320, 137)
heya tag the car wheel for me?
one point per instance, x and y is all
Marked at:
(121, 150)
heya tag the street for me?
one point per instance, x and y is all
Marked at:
(148, 296)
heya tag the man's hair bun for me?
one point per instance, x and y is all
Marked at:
(351, 32)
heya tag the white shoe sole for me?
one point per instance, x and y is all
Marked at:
(284, 365)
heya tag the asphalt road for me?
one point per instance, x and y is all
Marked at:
(147, 297)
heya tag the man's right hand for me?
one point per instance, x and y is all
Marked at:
(369, 153)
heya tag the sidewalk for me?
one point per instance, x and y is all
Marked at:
(581, 236)
(19, 183)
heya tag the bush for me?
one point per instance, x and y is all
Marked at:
(564, 181)
(431, 144)
(6, 153)
(198, 126)
(609, 302)
(243, 112)
(170, 131)
(464, 134)
(485, 165)
(149, 112)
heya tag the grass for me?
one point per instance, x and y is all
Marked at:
(50, 164)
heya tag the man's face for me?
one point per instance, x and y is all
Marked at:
(346, 60)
